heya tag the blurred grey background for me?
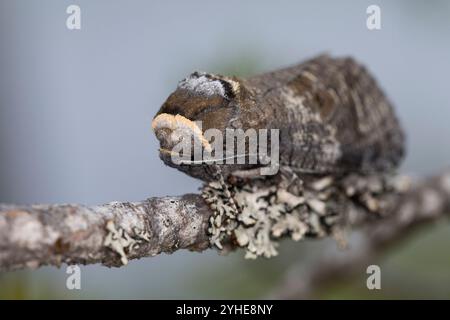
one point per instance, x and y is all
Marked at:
(76, 107)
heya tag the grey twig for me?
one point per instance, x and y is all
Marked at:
(424, 203)
(111, 234)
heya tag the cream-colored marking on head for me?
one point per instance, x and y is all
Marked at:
(178, 122)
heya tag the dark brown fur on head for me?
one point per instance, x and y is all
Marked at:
(217, 101)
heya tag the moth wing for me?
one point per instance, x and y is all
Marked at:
(353, 107)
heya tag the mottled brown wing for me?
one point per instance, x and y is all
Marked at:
(367, 128)
(356, 129)
(349, 100)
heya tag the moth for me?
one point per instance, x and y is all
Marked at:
(332, 117)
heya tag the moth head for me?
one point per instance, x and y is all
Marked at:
(200, 102)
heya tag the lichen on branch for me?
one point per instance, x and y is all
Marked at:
(114, 233)
(311, 207)
(110, 234)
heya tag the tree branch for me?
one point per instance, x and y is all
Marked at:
(424, 203)
(111, 234)
(32, 236)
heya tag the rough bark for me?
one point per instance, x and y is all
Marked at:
(424, 203)
(111, 234)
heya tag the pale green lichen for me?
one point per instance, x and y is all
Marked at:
(316, 207)
(122, 242)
